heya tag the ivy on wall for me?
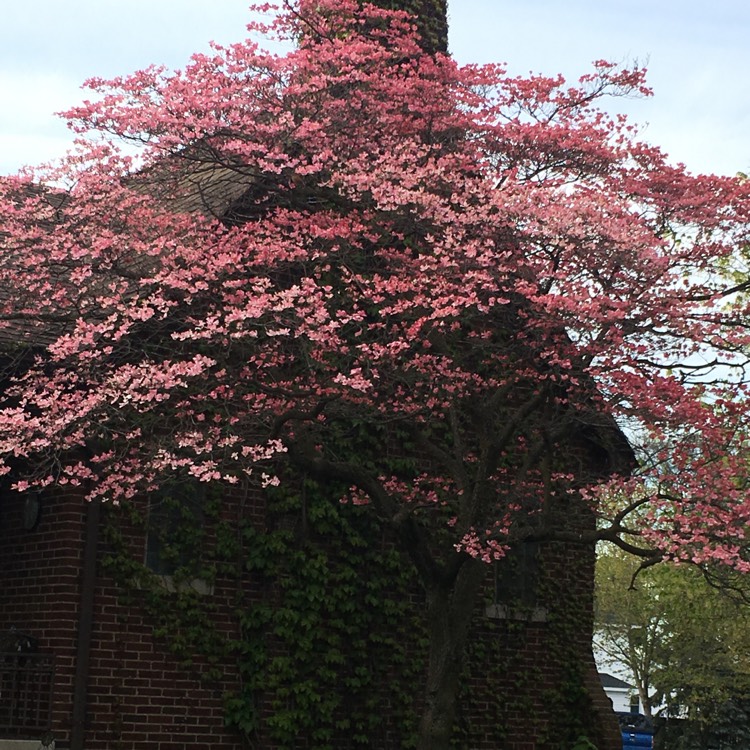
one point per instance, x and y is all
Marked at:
(326, 635)
(330, 630)
(325, 627)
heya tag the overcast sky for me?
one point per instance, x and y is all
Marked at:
(697, 53)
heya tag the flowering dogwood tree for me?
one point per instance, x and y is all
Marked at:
(492, 276)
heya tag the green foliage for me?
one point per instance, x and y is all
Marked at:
(328, 637)
(338, 629)
(569, 702)
(327, 630)
(729, 729)
(583, 743)
(686, 642)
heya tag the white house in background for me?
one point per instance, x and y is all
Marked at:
(622, 694)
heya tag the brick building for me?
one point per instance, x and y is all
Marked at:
(91, 661)
(94, 675)
(98, 673)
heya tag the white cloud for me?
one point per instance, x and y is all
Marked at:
(30, 132)
(34, 96)
(697, 54)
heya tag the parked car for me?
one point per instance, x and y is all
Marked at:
(637, 731)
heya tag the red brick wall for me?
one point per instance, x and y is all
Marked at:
(40, 583)
(139, 696)
(530, 679)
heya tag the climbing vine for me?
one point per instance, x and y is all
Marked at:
(326, 632)
(334, 627)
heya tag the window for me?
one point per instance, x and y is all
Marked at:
(175, 535)
(516, 579)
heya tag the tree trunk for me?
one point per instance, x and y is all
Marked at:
(431, 17)
(450, 609)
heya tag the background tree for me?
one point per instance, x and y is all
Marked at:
(685, 642)
(480, 274)
(630, 623)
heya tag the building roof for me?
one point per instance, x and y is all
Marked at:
(203, 180)
(608, 681)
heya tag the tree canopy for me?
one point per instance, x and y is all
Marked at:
(361, 244)
(683, 639)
